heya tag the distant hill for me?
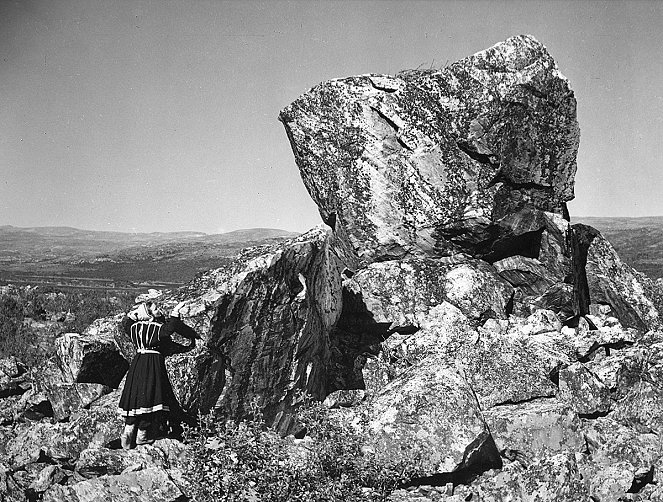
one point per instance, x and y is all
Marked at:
(30, 253)
(639, 241)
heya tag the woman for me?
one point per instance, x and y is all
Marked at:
(148, 396)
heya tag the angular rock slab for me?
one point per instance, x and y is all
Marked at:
(542, 279)
(273, 326)
(632, 295)
(508, 367)
(68, 398)
(149, 485)
(90, 359)
(429, 417)
(429, 162)
(536, 429)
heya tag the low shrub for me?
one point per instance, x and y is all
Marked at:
(248, 461)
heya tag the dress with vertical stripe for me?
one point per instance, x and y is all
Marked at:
(147, 388)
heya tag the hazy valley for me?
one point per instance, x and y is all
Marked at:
(83, 258)
(72, 257)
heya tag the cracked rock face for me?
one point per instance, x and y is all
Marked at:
(433, 162)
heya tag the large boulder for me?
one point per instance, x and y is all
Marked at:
(404, 293)
(432, 162)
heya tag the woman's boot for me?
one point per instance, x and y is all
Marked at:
(143, 437)
(127, 437)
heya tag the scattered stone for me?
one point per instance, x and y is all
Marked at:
(97, 426)
(13, 376)
(164, 453)
(147, 485)
(48, 476)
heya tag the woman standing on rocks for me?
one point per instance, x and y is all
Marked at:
(148, 397)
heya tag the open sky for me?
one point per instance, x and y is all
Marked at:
(160, 115)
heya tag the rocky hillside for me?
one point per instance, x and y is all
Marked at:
(447, 311)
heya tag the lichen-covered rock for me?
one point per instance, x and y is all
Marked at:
(68, 398)
(610, 442)
(164, 453)
(611, 483)
(429, 417)
(551, 479)
(404, 293)
(638, 390)
(584, 342)
(509, 366)
(148, 485)
(47, 477)
(13, 377)
(10, 491)
(536, 429)
(582, 390)
(429, 162)
(98, 426)
(90, 359)
(443, 330)
(9, 409)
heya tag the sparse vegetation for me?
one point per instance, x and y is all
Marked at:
(32, 317)
(248, 461)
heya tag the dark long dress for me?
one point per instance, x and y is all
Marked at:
(148, 393)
